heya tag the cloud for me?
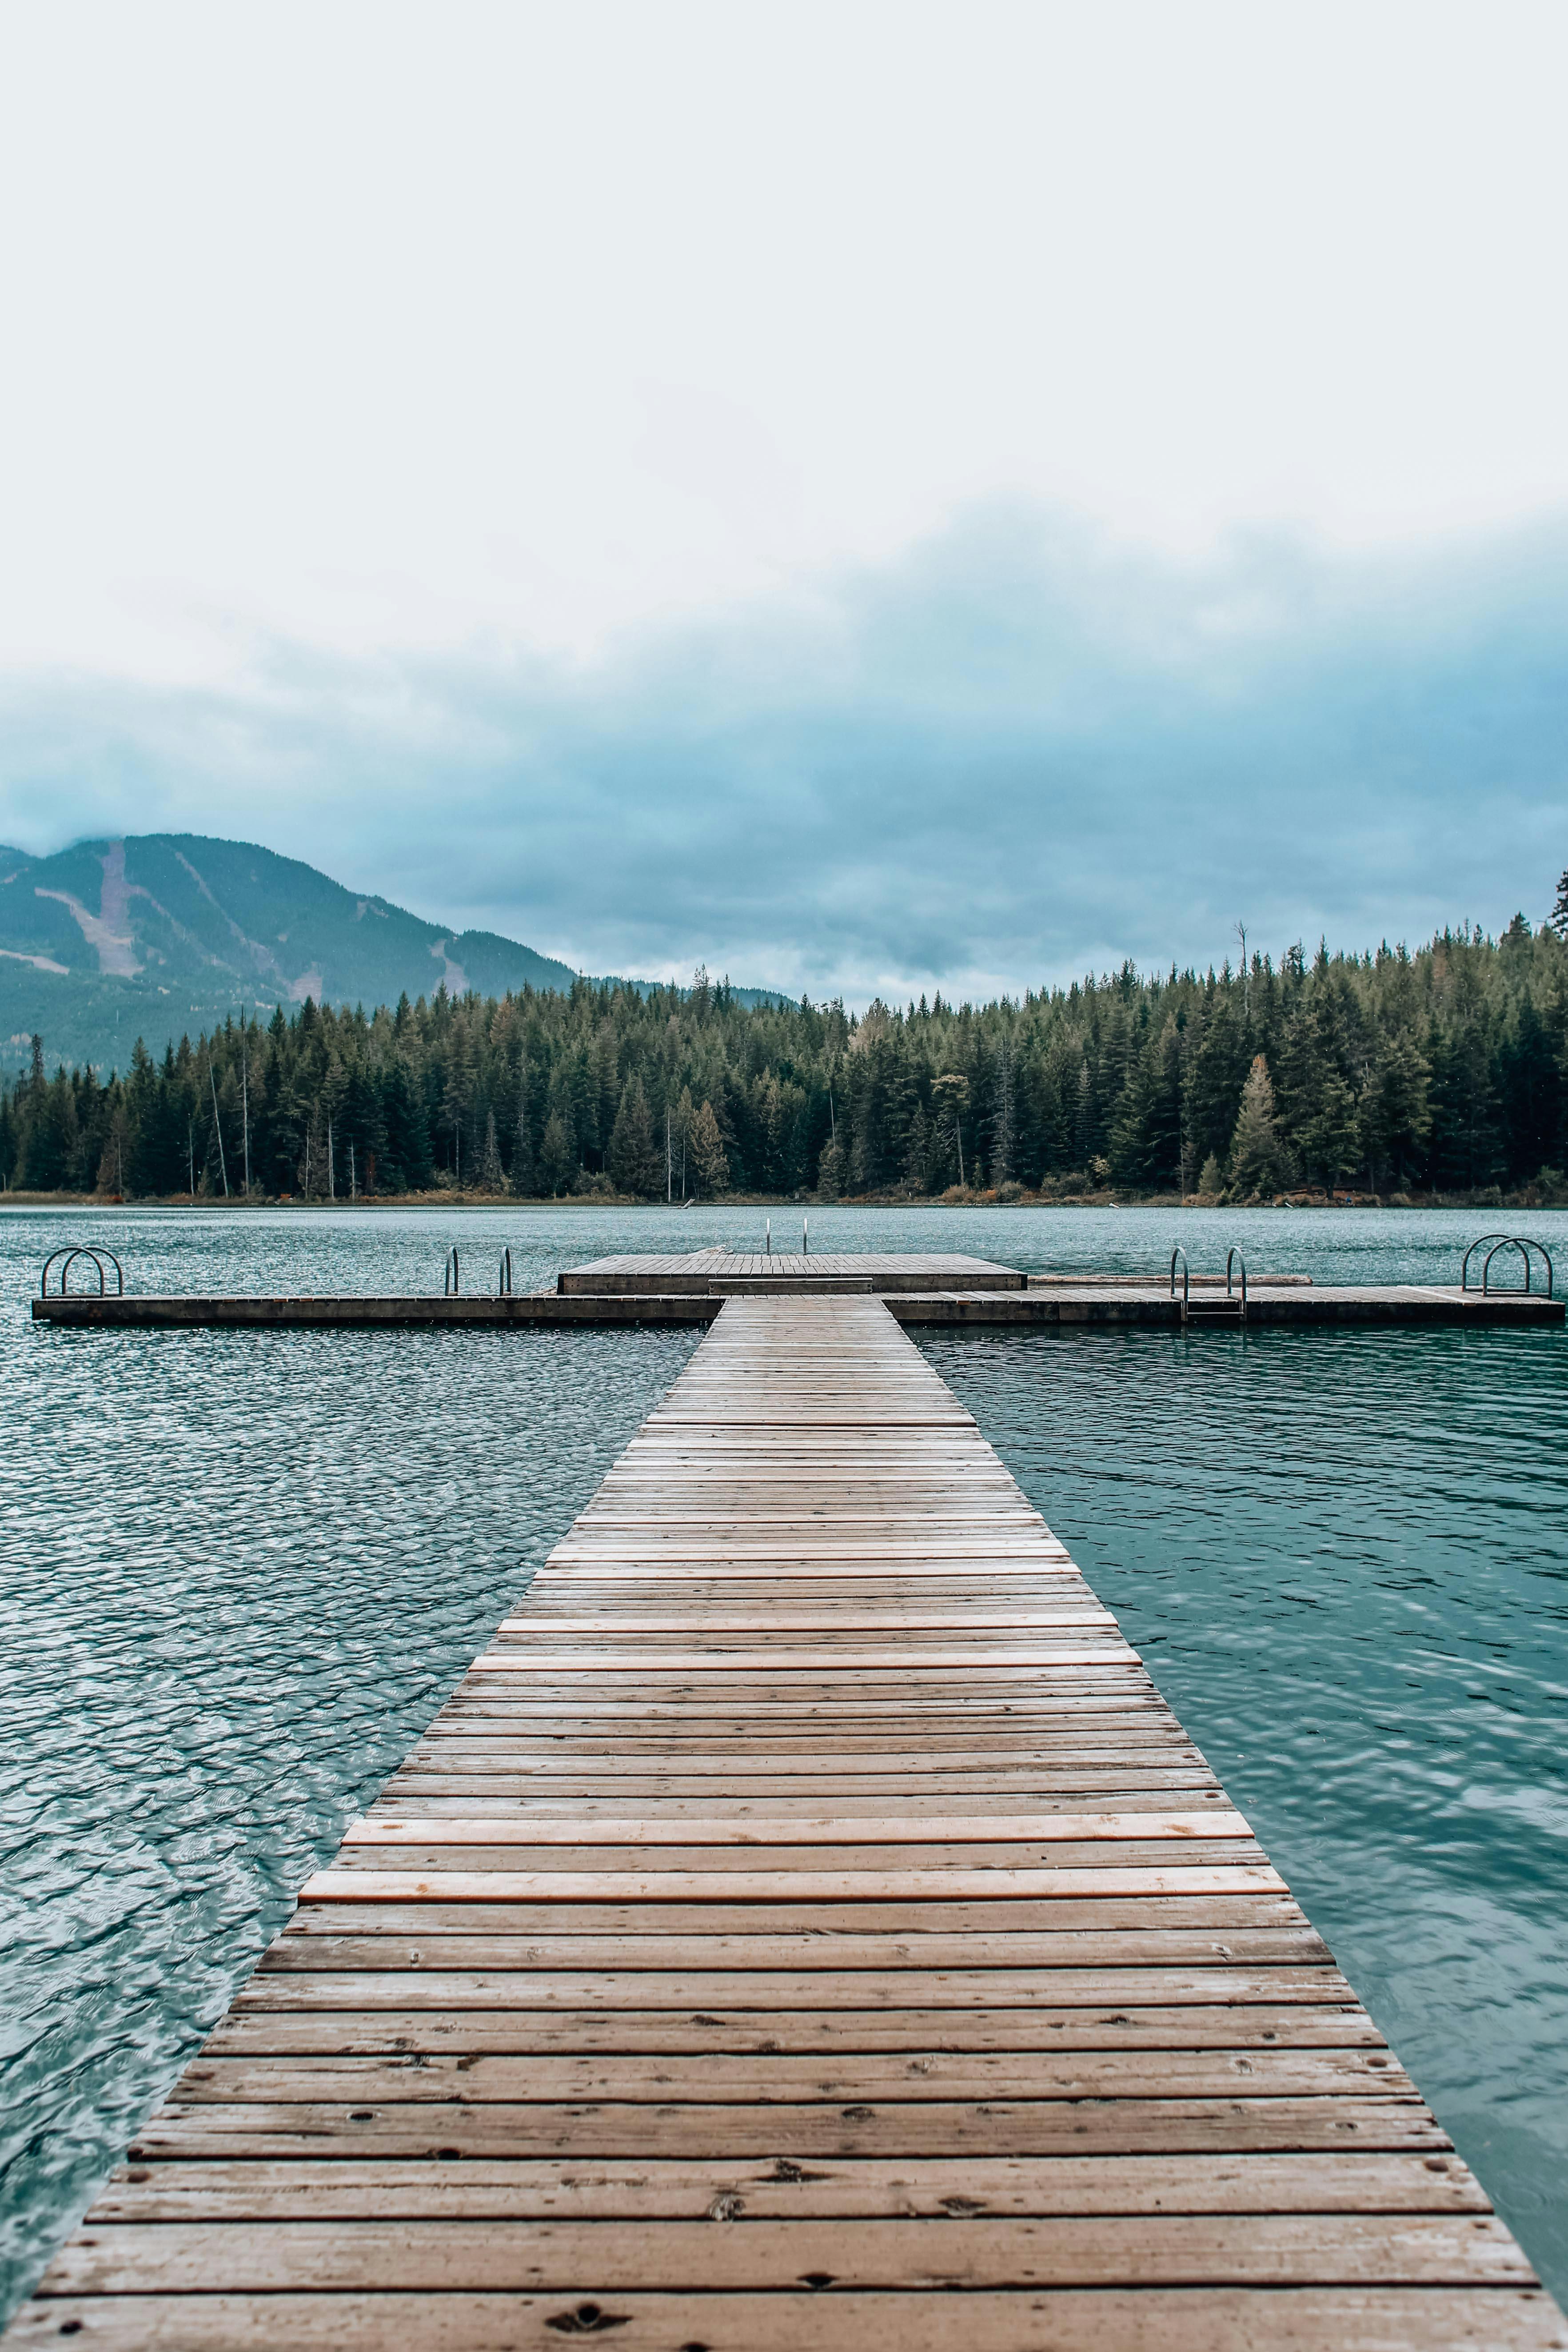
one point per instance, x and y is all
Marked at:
(1024, 750)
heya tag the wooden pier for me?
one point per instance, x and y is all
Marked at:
(805, 1926)
(920, 1289)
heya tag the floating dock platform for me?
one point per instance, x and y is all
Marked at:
(805, 1926)
(917, 1289)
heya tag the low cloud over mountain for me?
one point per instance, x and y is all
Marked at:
(1022, 750)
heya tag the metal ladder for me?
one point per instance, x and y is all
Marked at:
(1214, 1313)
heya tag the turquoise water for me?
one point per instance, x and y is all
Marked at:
(241, 1570)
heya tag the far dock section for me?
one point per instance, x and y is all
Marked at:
(804, 1926)
(728, 1273)
(933, 1289)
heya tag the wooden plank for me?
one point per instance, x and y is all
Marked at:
(1112, 1659)
(1150, 2319)
(997, 1884)
(798, 2131)
(495, 2255)
(809, 1849)
(326, 2027)
(1101, 1937)
(660, 2189)
(948, 1829)
(751, 2080)
(955, 1927)
(377, 1984)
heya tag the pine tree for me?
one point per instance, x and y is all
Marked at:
(1396, 1109)
(636, 1164)
(1558, 918)
(1257, 1159)
(1130, 1156)
(1466, 1147)
(950, 1097)
(407, 1129)
(681, 1125)
(457, 1092)
(1004, 1110)
(708, 1158)
(917, 1155)
(1331, 1138)
(1083, 1127)
(557, 1161)
(491, 1178)
(522, 1171)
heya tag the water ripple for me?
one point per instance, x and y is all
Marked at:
(1344, 1555)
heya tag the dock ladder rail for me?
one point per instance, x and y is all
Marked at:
(1186, 1278)
(1524, 1242)
(1229, 1311)
(503, 1279)
(1234, 1260)
(93, 1251)
(449, 1274)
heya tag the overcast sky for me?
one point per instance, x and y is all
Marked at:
(872, 497)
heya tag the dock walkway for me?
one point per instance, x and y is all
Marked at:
(805, 1926)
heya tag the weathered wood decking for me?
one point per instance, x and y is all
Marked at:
(705, 1270)
(804, 1927)
(920, 1288)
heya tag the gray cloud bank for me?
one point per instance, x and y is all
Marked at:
(1019, 752)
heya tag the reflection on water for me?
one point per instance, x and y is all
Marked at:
(241, 1570)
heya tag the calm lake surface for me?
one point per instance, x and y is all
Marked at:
(240, 1571)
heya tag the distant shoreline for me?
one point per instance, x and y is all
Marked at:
(1528, 1198)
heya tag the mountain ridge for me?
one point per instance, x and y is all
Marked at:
(162, 934)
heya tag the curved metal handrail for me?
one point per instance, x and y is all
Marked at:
(93, 1259)
(503, 1280)
(1524, 1243)
(1186, 1273)
(71, 1252)
(1531, 1243)
(1234, 1258)
(450, 1280)
(1475, 1246)
(1507, 1243)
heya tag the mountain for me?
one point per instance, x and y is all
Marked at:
(163, 933)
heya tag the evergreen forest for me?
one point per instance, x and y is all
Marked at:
(1441, 1072)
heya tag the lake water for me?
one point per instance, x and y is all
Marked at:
(240, 1571)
